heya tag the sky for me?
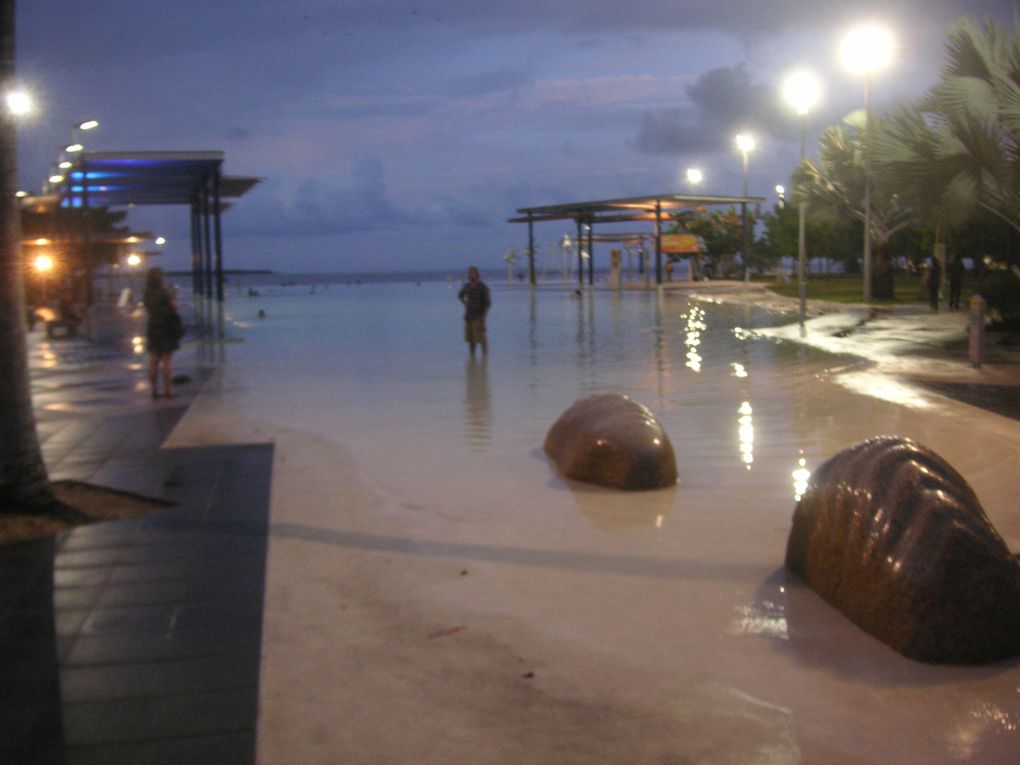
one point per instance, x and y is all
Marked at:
(400, 135)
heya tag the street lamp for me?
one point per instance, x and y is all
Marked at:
(866, 50)
(745, 145)
(802, 90)
(43, 265)
(694, 176)
(19, 102)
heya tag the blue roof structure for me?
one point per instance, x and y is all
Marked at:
(192, 178)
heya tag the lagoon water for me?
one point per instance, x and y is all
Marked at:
(436, 593)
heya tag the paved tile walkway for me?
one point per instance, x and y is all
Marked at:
(138, 640)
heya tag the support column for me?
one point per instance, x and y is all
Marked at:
(591, 255)
(658, 242)
(218, 236)
(531, 251)
(580, 260)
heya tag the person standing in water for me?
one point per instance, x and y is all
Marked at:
(163, 332)
(475, 297)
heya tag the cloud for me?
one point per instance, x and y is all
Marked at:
(722, 101)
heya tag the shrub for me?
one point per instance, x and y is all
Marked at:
(1000, 288)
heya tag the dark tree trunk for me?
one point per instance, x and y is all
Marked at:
(24, 484)
(883, 286)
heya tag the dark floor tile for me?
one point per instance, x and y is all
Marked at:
(160, 678)
(155, 646)
(163, 591)
(136, 720)
(150, 572)
(228, 749)
(111, 620)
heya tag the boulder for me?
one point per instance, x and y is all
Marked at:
(612, 441)
(893, 537)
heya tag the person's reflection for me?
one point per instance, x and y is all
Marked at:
(478, 401)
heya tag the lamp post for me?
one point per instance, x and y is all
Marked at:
(745, 145)
(694, 176)
(43, 265)
(801, 90)
(866, 50)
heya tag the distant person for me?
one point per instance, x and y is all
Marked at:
(955, 270)
(475, 297)
(934, 283)
(163, 332)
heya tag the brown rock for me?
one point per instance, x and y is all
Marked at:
(612, 441)
(893, 537)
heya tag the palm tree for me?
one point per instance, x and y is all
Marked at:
(956, 152)
(834, 187)
(24, 484)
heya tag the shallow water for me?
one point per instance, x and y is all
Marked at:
(402, 464)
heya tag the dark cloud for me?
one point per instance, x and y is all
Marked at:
(723, 101)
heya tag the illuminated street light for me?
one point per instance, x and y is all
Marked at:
(802, 90)
(694, 176)
(86, 125)
(160, 241)
(56, 178)
(866, 50)
(745, 145)
(74, 148)
(19, 102)
(781, 193)
(43, 265)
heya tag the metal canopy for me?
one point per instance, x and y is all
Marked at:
(113, 179)
(193, 178)
(627, 208)
(653, 208)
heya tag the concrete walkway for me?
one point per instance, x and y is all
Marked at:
(134, 640)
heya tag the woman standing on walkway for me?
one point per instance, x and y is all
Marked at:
(163, 331)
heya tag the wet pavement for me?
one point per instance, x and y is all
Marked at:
(135, 640)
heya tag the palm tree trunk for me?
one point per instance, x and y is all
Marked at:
(24, 485)
(883, 286)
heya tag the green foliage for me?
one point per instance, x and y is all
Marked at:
(722, 233)
(1000, 287)
(956, 152)
(838, 241)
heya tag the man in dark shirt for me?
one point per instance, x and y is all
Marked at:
(475, 297)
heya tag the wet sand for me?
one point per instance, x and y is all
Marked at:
(433, 601)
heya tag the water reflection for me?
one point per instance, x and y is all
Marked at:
(693, 330)
(477, 402)
(745, 433)
(618, 512)
(801, 476)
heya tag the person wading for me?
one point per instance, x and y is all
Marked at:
(475, 297)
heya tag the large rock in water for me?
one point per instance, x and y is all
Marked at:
(612, 441)
(892, 536)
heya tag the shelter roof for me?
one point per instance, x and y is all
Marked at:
(111, 179)
(627, 208)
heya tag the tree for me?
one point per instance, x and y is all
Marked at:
(721, 231)
(956, 152)
(24, 483)
(834, 188)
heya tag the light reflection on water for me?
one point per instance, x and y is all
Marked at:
(397, 354)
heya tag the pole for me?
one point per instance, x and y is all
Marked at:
(658, 242)
(801, 226)
(530, 250)
(743, 214)
(580, 260)
(867, 189)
